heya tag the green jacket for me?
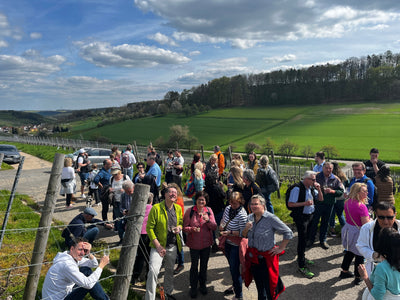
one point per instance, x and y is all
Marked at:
(157, 223)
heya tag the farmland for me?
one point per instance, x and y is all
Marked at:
(353, 129)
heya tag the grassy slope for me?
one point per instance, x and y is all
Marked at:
(353, 129)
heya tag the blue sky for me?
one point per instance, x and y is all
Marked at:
(73, 54)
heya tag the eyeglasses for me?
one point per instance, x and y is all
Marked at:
(385, 217)
(312, 179)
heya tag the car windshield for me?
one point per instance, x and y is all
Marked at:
(8, 148)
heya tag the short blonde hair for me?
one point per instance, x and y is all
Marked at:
(67, 162)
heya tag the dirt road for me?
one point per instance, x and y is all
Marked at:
(325, 285)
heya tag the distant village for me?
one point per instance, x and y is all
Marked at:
(32, 129)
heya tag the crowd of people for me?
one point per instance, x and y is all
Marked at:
(232, 212)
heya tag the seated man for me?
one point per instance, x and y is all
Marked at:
(77, 228)
(71, 276)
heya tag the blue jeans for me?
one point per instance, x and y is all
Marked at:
(323, 212)
(83, 177)
(338, 209)
(129, 172)
(79, 293)
(268, 203)
(180, 258)
(232, 254)
(91, 234)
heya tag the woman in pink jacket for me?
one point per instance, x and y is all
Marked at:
(199, 224)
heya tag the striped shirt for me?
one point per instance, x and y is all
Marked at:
(238, 222)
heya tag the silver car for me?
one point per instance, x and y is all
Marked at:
(95, 155)
(11, 154)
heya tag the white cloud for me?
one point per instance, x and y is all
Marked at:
(129, 56)
(280, 59)
(3, 44)
(211, 21)
(194, 53)
(215, 69)
(162, 39)
(35, 35)
(28, 68)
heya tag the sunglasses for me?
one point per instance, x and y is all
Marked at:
(385, 217)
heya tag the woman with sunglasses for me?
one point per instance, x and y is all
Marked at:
(356, 216)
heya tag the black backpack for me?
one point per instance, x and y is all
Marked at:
(375, 199)
(302, 196)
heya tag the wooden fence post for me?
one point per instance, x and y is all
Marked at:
(44, 228)
(130, 242)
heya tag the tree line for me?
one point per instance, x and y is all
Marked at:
(370, 78)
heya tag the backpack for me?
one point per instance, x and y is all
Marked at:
(189, 188)
(159, 160)
(267, 180)
(125, 161)
(302, 197)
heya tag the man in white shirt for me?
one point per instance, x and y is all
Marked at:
(71, 277)
(178, 168)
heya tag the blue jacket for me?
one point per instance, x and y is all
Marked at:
(370, 186)
(103, 177)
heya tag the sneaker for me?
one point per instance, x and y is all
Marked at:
(324, 245)
(310, 262)
(229, 291)
(332, 232)
(83, 196)
(347, 274)
(306, 273)
(178, 269)
(69, 206)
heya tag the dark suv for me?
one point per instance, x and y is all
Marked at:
(11, 154)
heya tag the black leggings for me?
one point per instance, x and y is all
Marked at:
(347, 259)
(68, 199)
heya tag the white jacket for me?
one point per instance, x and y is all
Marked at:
(64, 274)
(365, 243)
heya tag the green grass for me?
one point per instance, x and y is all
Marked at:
(17, 247)
(43, 152)
(5, 166)
(353, 129)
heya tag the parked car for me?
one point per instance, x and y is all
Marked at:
(95, 155)
(11, 154)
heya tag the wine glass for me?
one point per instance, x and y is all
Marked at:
(106, 251)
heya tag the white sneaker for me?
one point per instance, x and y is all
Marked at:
(83, 196)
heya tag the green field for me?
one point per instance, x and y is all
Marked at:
(353, 129)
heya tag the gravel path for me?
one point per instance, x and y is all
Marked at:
(325, 285)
